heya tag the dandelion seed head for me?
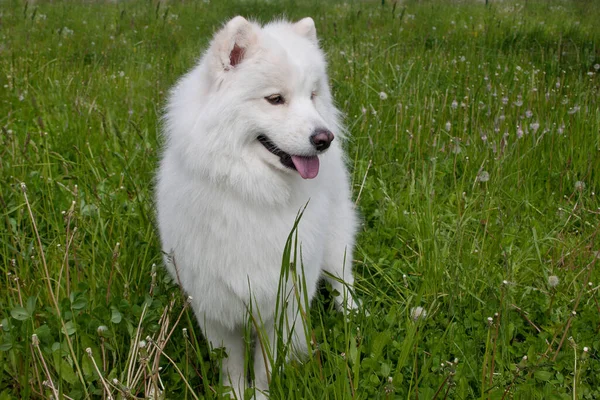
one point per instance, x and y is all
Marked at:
(483, 176)
(580, 186)
(456, 149)
(553, 281)
(417, 313)
(383, 95)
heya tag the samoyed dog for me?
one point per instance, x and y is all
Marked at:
(252, 138)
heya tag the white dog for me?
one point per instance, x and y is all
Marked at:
(249, 142)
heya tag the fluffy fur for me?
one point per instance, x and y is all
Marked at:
(226, 204)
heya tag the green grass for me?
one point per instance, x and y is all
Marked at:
(474, 145)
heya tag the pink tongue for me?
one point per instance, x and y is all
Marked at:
(308, 167)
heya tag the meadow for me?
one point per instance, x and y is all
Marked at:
(474, 146)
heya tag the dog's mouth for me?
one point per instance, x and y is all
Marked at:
(307, 167)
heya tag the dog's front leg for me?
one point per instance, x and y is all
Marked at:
(338, 256)
(232, 367)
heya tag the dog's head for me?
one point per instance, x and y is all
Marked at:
(258, 105)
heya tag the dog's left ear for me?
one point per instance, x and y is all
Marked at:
(306, 27)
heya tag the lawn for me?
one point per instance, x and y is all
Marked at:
(474, 146)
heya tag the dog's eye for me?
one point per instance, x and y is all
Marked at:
(275, 99)
(313, 94)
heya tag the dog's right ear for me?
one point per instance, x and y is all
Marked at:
(235, 42)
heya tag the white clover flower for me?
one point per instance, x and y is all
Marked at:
(448, 126)
(553, 281)
(528, 113)
(586, 349)
(597, 67)
(580, 186)
(417, 313)
(519, 132)
(142, 344)
(383, 95)
(534, 126)
(101, 329)
(363, 110)
(454, 104)
(483, 176)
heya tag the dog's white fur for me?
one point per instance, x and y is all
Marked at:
(226, 204)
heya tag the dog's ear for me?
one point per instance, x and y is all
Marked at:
(233, 43)
(306, 27)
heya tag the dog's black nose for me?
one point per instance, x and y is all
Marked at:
(321, 139)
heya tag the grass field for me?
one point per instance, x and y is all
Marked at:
(475, 156)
